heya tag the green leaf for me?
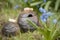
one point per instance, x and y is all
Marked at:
(42, 31)
(54, 33)
(43, 4)
(57, 5)
(36, 3)
(47, 5)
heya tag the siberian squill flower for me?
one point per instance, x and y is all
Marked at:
(42, 10)
(45, 14)
(17, 6)
(55, 21)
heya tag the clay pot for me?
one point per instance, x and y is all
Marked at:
(23, 23)
(10, 29)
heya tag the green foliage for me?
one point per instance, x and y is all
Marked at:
(57, 4)
(47, 32)
(36, 3)
(54, 4)
(47, 5)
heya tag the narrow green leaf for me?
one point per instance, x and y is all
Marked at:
(42, 31)
(36, 3)
(43, 4)
(47, 5)
(57, 5)
(54, 33)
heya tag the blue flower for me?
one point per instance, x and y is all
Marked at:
(55, 21)
(42, 10)
(44, 0)
(45, 16)
(17, 6)
(49, 13)
(43, 19)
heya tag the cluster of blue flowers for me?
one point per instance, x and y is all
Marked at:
(45, 14)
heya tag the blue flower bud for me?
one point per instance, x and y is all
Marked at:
(55, 21)
(45, 16)
(42, 10)
(43, 19)
(49, 13)
(17, 6)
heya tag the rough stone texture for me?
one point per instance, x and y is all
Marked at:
(10, 29)
(23, 23)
